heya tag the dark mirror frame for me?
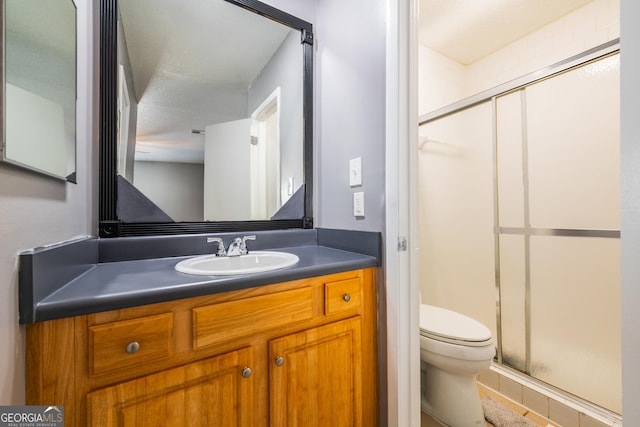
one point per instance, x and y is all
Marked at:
(109, 224)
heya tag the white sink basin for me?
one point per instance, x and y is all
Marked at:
(253, 262)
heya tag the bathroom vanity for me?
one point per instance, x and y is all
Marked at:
(289, 351)
(119, 337)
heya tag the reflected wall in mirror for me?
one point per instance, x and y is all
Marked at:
(210, 115)
(39, 90)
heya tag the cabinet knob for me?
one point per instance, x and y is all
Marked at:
(279, 361)
(132, 347)
(346, 297)
(246, 372)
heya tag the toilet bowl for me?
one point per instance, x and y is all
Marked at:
(453, 349)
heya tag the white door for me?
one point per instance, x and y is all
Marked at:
(227, 186)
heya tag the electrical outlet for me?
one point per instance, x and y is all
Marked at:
(358, 204)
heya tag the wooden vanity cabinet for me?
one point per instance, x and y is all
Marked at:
(309, 369)
(299, 353)
(209, 392)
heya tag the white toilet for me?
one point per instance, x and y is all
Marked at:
(453, 349)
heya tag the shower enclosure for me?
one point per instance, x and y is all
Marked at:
(519, 221)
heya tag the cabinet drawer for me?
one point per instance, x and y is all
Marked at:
(126, 343)
(343, 296)
(226, 321)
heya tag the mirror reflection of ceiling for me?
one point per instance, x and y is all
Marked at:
(468, 30)
(179, 83)
(36, 34)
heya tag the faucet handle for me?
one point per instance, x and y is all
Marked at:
(221, 251)
(243, 246)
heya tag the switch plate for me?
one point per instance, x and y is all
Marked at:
(290, 186)
(358, 204)
(355, 172)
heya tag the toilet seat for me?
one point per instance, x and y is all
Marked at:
(449, 326)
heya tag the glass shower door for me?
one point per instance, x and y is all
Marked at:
(558, 202)
(456, 211)
(519, 205)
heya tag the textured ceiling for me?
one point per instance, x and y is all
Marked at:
(192, 64)
(467, 30)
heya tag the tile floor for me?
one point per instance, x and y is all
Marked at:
(427, 421)
(548, 407)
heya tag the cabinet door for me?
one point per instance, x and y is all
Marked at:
(213, 392)
(315, 377)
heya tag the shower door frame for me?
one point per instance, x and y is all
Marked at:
(573, 62)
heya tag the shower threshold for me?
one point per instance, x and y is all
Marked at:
(566, 405)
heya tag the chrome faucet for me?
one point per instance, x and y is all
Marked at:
(239, 246)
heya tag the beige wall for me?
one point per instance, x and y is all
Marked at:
(587, 27)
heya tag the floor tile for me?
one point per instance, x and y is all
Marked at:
(427, 421)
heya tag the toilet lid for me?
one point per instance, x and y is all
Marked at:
(449, 326)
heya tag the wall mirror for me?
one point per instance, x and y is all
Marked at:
(39, 86)
(206, 115)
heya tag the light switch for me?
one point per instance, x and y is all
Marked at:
(358, 204)
(290, 186)
(355, 172)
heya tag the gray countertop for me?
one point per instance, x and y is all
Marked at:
(131, 283)
(102, 286)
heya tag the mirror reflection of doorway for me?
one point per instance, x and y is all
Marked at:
(125, 161)
(242, 165)
(265, 158)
